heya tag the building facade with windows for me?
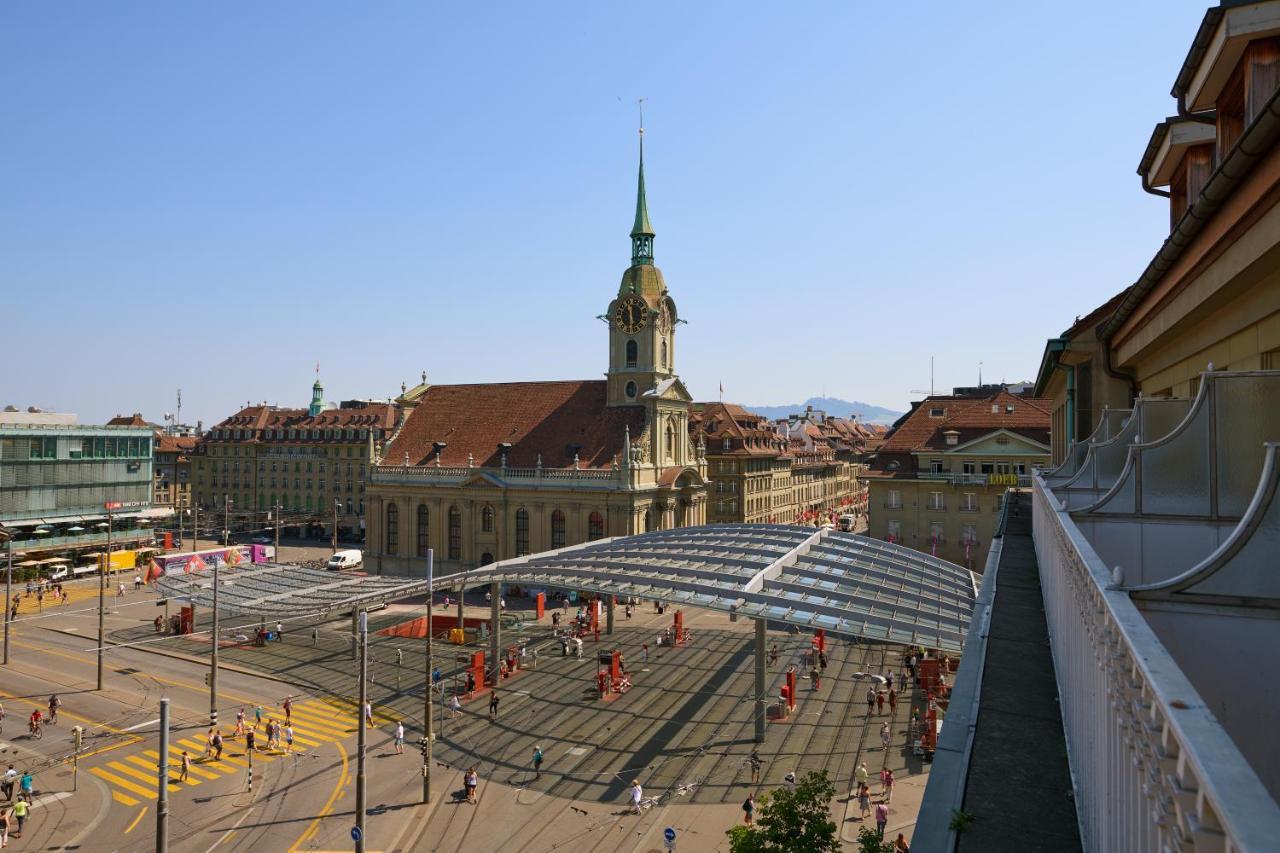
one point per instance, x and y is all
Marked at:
(57, 477)
(309, 462)
(486, 472)
(749, 465)
(938, 480)
(173, 470)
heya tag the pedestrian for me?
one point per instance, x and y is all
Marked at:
(120, 590)
(815, 678)
(637, 794)
(773, 654)
(893, 701)
(537, 762)
(271, 734)
(455, 707)
(864, 801)
(748, 809)
(4, 827)
(20, 810)
(644, 652)
(790, 780)
(217, 745)
(886, 783)
(882, 818)
(861, 775)
(239, 722)
(822, 660)
(10, 779)
(186, 766)
(470, 781)
(288, 738)
(885, 736)
(400, 738)
(368, 714)
(208, 743)
(879, 702)
(279, 631)
(137, 582)
(257, 716)
(900, 844)
(493, 705)
(27, 784)
(287, 706)
(871, 700)
(755, 762)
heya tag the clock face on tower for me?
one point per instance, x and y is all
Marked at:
(630, 314)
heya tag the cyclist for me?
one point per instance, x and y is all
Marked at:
(1, 715)
(54, 704)
(34, 724)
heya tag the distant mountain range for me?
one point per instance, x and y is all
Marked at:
(835, 407)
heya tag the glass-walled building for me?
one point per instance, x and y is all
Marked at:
(58, 477)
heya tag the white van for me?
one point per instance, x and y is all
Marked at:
(847, 522)
(345, 560)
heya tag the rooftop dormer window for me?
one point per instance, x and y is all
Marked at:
(937, 412)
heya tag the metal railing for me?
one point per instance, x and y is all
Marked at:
(1153, 768)
(431, 473)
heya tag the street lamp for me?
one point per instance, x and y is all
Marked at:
(337, 505)
(7, 535)
(213, 648)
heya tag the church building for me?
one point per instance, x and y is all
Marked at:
(492, 471)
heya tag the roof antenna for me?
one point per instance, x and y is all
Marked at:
(979, 376)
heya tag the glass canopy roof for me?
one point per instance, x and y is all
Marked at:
(843, 583)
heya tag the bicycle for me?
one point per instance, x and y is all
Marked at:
(37, 730)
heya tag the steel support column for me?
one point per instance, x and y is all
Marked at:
(608, 616)
(495, 629)
(761, 702)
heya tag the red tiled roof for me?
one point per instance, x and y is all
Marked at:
(547, 418)
(750, 434)
(1096, 316)
(175, 444)
(134, 420)
(363, 416)
(968, 415)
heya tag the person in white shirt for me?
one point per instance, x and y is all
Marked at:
(400, 738)
(637, 794)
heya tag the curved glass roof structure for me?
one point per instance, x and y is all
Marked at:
(839, 582)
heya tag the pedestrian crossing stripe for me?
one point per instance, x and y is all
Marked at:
(133, 778)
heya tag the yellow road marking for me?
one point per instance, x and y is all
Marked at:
(122, 783)
(151, 778)
(174, 772)
(135, 820)
(177, 765)
(328, 806)
(122, 799)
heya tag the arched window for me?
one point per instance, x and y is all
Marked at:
(486, 519)
(595, 526)
(423, 529)
(664, 354)
(632, 353)
(455, 533)
(393, 528)
(522, 532)
(671, 441)
(557, 529)
(486, 558)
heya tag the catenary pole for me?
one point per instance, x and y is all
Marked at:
(363, 724)
(102, 599)
(162, 781)
(428, 727)
(8, 596)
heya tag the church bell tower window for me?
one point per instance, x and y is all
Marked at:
(631, 390)
(632, 353)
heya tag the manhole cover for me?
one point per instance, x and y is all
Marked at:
(578, 750)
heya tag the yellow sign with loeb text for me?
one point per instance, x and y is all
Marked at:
(1002, 479)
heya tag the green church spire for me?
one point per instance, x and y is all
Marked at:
(642, 232)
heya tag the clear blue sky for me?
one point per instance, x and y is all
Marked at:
(217, 196)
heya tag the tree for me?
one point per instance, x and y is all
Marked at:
(869, 841)
(791, 821)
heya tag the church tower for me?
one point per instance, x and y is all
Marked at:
(642, 317)
(317, 399)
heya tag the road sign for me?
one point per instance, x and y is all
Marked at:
(356, 834)
(669, 837)
(113, 505)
